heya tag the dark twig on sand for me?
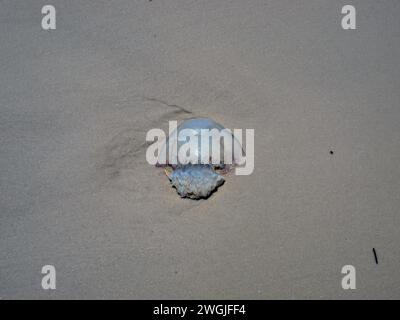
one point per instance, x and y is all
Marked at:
(376, 257)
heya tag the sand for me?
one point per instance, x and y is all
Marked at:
(76, 191)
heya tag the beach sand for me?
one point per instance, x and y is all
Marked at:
(76, 191)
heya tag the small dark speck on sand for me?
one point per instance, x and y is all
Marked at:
(376, 257)
(331, 152)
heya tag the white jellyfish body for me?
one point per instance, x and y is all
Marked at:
(209, 142)
(212, 150)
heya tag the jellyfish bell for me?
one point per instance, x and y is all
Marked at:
(201, 141)
(196, 154)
